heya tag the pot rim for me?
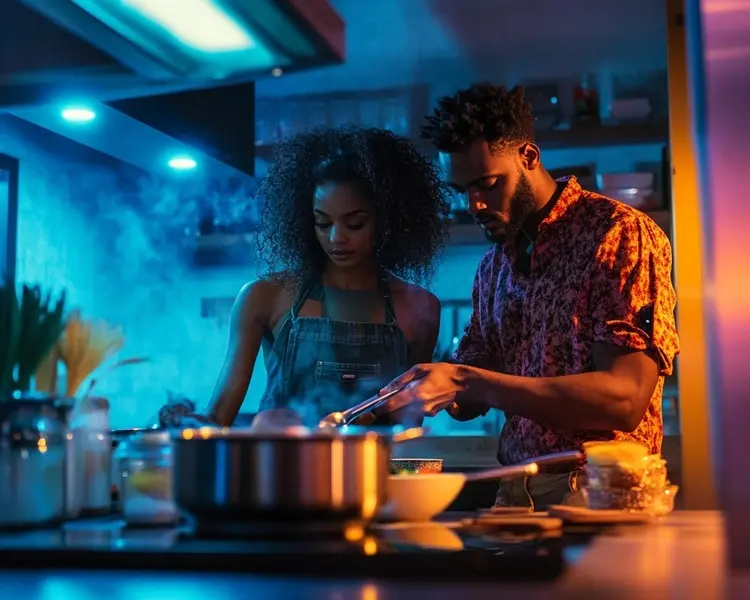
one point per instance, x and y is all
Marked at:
(297, 433)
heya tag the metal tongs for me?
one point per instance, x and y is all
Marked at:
(340, 419)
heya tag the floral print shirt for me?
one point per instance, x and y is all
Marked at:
(600, 272)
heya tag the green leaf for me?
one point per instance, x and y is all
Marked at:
(35, 326)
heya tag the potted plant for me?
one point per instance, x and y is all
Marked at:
(32, 426)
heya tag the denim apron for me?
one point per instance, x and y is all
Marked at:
(318, 365)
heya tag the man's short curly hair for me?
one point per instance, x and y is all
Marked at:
(492, 113)
(411, 204)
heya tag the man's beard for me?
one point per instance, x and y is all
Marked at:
(522, 205)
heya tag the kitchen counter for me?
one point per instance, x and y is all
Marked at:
(680, 557)
(449, 550)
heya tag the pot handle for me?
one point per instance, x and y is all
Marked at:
(509, 472)
(526, 469)
(556, 458)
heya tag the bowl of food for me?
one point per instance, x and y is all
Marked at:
(416, 466)
(419, 497)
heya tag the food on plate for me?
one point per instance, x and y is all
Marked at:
(624, 476)
(614, 453)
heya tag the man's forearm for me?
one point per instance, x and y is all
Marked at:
(596, 400)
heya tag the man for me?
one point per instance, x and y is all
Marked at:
(572, 329)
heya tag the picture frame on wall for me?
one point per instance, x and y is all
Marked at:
(8, 215)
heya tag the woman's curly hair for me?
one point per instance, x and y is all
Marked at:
(411, 204)
(482, 112)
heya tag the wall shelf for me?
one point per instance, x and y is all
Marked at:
(592, 136)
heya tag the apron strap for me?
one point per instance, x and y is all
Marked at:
(385, 288)
(302, 296)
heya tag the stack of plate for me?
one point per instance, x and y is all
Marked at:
(634, 189)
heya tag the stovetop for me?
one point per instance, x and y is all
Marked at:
(450, 550)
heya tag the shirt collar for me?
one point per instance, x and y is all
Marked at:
(568, 197)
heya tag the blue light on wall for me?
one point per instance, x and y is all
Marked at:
(78, 114)
(182, 163)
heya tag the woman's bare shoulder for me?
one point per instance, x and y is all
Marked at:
(272, 294)
(414, 300)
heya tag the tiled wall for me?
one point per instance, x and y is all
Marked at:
(74, 233)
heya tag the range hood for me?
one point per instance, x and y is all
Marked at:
(114, 49)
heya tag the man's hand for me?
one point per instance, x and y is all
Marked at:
(431, 386)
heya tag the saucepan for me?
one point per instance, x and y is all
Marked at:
(277, 469)
(420, 497)
(244, 475)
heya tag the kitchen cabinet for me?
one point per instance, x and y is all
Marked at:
(400, 110)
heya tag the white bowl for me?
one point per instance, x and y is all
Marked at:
(419, 498)
(635, 197)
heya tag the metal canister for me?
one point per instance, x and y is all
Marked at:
(74, 477)
(32, 461)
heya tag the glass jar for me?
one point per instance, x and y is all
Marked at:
(32, 461)
(119, 454)
(92, 445)
(146, 484)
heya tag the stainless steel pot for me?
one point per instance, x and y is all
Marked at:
(241, 476)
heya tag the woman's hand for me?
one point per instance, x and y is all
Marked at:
(180, 414)
(174, 413)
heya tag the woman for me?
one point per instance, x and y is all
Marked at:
(350, 217)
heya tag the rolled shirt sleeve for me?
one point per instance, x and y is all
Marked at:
(632, 299)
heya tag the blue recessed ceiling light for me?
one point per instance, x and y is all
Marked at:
(78, 114)
(182, 163)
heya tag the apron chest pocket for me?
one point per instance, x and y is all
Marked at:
(346, 372)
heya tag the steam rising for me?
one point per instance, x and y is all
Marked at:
(146, 235)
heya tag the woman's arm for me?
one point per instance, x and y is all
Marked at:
(418, 316)
(250, 317)
(426, 318)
